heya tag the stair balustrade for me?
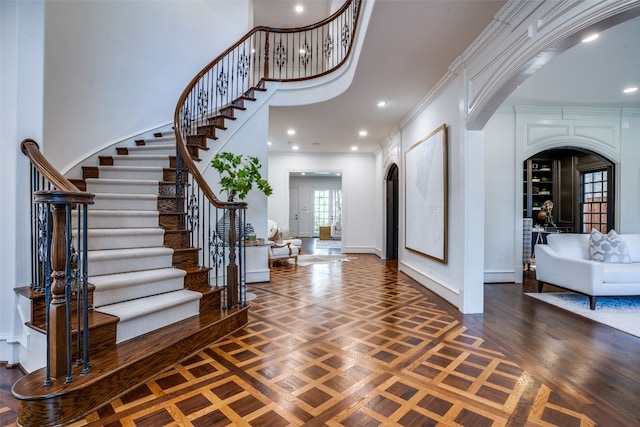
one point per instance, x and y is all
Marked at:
(59, 265)
(225, 85)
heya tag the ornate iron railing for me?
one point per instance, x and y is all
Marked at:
(226, 84)
(59, 264)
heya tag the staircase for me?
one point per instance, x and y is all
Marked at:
(130, 266)
(149, 282)
(152, 303)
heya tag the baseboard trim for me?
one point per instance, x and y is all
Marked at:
(498, 276)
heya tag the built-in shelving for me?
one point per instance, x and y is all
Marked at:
(538, 185)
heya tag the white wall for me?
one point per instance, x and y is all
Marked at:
(460, 280)
(21, 76)
(629, 174)
(358, 192)
(116, 68)
(501, 209)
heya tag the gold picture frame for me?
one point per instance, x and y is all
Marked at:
(426, 198)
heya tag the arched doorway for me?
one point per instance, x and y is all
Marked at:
(579, 183)
(392, 212)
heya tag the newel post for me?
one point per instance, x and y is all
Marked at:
(61, 278)
(58, 307)
(232, 267)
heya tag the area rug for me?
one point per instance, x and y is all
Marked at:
(622, 313)
(328, 244)
(305, 260)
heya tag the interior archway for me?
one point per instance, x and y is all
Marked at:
(392, 212)
(558, 175)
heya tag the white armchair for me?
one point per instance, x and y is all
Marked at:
(283, 251)
(281, 235)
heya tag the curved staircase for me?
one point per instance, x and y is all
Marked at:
(154, 298)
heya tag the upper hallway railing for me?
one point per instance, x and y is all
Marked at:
(59, 264)
(263, 54)
(228, 83)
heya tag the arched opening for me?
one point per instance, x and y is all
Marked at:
(392, 212)
(578, 183)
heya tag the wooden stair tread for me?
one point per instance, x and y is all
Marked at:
(96, 319)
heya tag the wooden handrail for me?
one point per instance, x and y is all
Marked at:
(31, 149)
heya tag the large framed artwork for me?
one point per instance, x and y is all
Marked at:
(426, 196)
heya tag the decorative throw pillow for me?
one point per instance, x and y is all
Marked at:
(608, 248)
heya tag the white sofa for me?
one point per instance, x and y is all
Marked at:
(567, 261)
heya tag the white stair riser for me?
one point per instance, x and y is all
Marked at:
(153, 150)
(121, 187)
(123, 265)
(136, 290)
(128, 329)
(158, 161)
(99, 220)
(107, 172)
(125, 203)
(144, 315)
(124, 241)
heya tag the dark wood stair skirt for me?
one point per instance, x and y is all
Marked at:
(119, 369)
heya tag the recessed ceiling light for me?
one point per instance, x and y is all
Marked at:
(354, 148)
(299, 8)
(295, 147)
(268, 142)
(303, 173)
(338, 174)
(291, 132)
(382, 104)
(363, 133)
(630, 89)
(590, 38)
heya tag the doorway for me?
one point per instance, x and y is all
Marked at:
(307, 209)
(392, 212)
(579, 184)
(327, 208)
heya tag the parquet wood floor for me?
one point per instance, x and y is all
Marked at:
(358, 344)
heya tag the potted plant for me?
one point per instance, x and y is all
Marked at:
(238, 175)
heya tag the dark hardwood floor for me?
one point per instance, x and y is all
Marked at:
(356, 343)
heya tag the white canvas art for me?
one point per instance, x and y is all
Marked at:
(426, 196)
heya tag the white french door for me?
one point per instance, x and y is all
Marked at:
(327, 206)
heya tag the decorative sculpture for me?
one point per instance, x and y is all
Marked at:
(545, 216)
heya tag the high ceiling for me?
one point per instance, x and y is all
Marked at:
(589, 74)
(408, 48)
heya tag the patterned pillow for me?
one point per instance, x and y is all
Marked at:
(608, 248)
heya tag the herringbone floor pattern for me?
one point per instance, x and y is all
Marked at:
(345, 344)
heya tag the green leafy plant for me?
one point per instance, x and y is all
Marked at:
(238, 175)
